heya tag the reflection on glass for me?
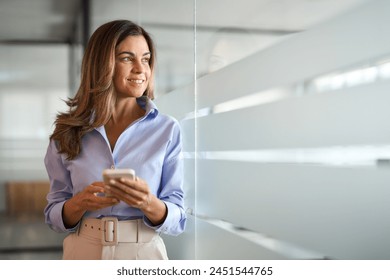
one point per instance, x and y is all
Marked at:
(229, 45)
(350, 78)
(223, 46)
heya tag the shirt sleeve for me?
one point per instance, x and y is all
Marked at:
(172, 193)
(60, 189)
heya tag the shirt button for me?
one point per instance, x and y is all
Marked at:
(112, 166)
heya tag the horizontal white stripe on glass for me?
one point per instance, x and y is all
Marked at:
(252, 100)
(337, 156)
(247, 101)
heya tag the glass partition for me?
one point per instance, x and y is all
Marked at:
(287, 163)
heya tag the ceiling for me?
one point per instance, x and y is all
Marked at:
(35, 33)
(37, 21)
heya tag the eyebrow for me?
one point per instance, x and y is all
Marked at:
(133, 54)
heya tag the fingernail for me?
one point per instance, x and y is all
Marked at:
(112, 182)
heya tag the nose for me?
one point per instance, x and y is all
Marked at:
(138, 67)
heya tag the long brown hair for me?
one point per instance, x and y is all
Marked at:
(92, 105)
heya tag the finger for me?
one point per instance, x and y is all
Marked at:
(98, 183)
(94, 189)
(137, 184)
(102, 202)
(95, 206)
(118, 189)
(122, 184)
(139, 179)
(125, 193)
(107, 200)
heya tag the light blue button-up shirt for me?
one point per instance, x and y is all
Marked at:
(151, 146)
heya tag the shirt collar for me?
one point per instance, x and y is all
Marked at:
(146, 103)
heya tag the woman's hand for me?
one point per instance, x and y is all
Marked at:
(90, 200)
(86, 200)
(136, 193)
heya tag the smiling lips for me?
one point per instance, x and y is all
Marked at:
(136, 81)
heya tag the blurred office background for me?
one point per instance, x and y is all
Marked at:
(283, 106)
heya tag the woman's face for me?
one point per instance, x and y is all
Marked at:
(132, 70)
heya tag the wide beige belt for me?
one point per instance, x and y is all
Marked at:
(111, 231)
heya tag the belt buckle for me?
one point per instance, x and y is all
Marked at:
(109, 232)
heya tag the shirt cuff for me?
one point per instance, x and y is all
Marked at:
(173, 217)
(57, 222)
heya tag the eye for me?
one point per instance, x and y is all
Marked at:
(126, 58)
(146, 59)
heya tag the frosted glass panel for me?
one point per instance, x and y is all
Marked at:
(299, 166)
(332, 211)
(344, 118)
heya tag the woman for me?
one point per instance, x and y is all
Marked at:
(112, 123)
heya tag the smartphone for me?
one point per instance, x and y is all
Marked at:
(109, 174)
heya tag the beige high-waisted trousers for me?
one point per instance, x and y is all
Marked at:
(110, 239)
